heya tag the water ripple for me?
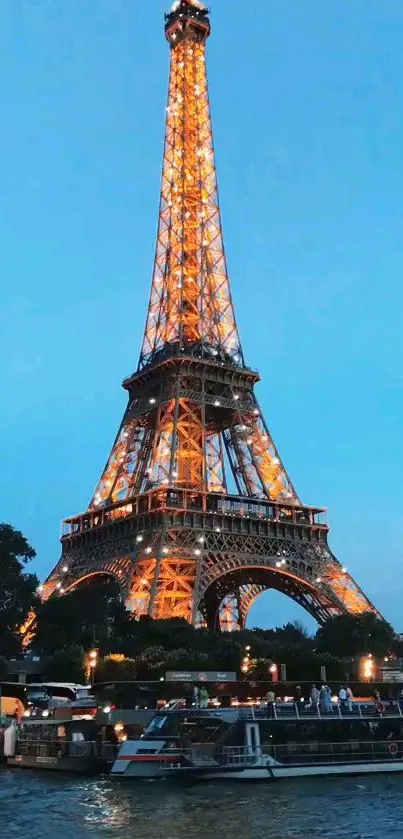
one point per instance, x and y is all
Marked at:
(43, 805)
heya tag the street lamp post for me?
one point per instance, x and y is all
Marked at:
(367, 667)
(246, 660)
(273, 672)
(93, 661)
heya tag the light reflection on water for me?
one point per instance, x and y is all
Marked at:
(40, 805)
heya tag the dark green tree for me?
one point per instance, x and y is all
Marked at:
(93, 613)
(66, 666)
(293, 635)
(17, 588)
(3, 670)
(114, 668)
(352, 635)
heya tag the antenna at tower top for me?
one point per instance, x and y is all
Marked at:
(195, 3)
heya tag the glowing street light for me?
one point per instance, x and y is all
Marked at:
(367, 667)
(92, 661)
(273, 669)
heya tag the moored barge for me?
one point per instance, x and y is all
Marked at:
(64, 745)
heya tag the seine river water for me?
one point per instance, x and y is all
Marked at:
(46, 806)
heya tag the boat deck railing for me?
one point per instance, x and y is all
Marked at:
(295, 710)
(352, 751)
(210, 756)
(300, 710)
(65, 748)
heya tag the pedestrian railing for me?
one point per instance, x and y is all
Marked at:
(357, 751)
(301, 754)
(354, 751)
(299, 710)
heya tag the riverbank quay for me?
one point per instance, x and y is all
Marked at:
(154, 693)
(34, 699)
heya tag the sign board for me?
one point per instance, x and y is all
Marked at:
(392, 675)
(200, 676)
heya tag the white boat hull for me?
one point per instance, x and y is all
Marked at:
(276, 773)
(132, 764)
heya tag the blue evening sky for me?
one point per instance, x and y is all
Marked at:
(308, 114)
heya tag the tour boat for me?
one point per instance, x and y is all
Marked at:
(67, 745)
(286, 740)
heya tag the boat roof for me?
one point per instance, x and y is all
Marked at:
(57, 721)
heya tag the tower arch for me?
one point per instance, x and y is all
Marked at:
(94, 576)
(246, 584)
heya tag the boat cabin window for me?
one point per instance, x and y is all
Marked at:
(202, 730)
(36, 695)
(190, 727)
(41, 731)
(330, 731)
(155, 725)
(82, 693)
(77, 737)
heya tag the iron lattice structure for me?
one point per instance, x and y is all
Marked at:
(194, 513)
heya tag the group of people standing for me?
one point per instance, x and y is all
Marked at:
(322, 698)
(200, 697)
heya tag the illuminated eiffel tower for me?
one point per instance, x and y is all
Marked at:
(195, 514)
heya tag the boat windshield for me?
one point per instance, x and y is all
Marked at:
(156, 724)
(188, 727)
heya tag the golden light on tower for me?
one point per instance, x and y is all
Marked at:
(190, 307)
(193, 456)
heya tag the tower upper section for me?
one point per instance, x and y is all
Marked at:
(190, 307)
(187, 19)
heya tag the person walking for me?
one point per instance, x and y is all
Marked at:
(270, 700)
(329, 707)
(298, 694)
(342, 697)
(314, 697)
(204, 697)
(195, 696)
(350, 698)
(323, 699)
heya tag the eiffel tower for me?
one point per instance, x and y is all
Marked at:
(195, 514)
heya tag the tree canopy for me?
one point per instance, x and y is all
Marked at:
(352, 635)
(66, 665)
(92, 613)
(146, 648)
(17, 587)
